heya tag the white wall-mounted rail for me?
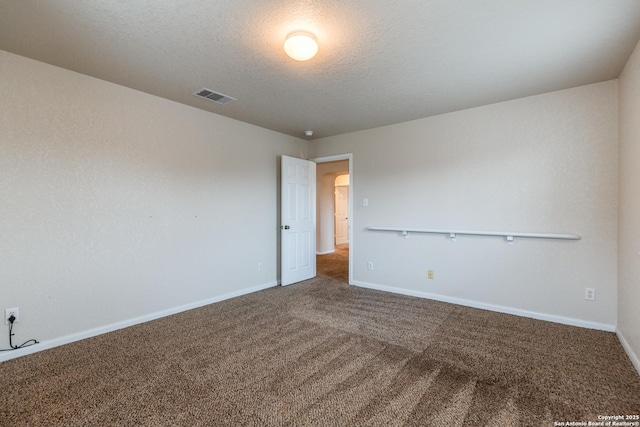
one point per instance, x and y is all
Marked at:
(453, 233)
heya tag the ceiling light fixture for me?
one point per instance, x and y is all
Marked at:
(301, 45)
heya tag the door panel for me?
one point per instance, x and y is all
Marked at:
(342, 214)
(298, 220)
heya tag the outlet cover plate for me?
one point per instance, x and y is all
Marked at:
(590, 294)
(8, 312)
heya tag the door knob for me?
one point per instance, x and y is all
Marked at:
(285, 227)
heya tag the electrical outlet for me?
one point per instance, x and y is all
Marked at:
(370, 265)
(589, 294)
(9, 312)
(260, 268)
(431, 274)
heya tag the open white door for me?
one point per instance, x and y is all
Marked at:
(298, 220)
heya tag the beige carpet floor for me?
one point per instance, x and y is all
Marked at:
(323, 353)
(335, 265)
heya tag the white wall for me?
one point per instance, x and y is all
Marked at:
(326, 174)
(116, 205)
(546, 163)
(629, 210)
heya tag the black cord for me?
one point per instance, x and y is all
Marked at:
(16, 347)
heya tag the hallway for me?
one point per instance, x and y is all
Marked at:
(335, 265)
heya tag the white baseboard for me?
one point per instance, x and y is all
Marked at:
(634, 357)
(45, 345)
(326, 252)
(497, 308)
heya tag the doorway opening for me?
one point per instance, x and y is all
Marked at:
(334, 209)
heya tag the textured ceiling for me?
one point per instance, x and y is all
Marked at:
(380, 61)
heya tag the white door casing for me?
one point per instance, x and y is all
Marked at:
(342, 214)
(352, 242)
(298, 220)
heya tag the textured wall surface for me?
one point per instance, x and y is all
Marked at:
(629, 216)
(540, 164)
(116, 204)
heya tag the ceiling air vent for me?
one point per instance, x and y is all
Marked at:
(214, 96)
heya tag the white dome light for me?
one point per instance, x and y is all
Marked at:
(301, 45)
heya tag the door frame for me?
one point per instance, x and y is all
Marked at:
(349, 157)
